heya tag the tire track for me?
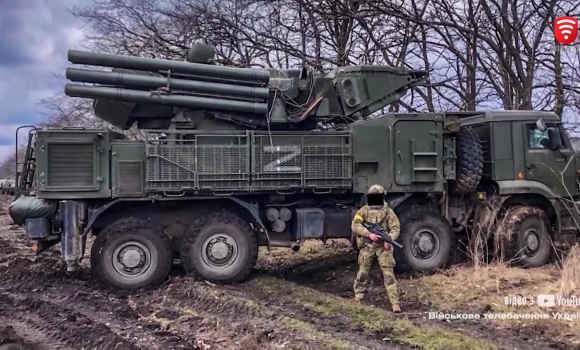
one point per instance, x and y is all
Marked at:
(96, 306)
(336, 281)
(205, 301)
(35, 337)
(11, 337)
(121, 318)
(339, 325)
(139, 320)
(62, 324)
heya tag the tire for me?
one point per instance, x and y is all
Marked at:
(469, 162)
(147, 237)
(242, 244)
(424, 219)
(530, 243)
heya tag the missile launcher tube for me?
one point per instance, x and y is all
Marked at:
(126, 95)
(152, 82)
(151, 64)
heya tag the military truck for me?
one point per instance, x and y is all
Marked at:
(7, 186)
(234, 158)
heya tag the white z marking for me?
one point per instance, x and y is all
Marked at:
(293, 152)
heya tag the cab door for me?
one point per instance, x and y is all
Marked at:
(555, 169)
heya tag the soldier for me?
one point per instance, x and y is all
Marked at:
(376, 211)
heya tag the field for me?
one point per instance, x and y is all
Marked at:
(293, 301)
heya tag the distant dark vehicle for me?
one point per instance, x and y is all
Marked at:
(237, 158)
(7, 186)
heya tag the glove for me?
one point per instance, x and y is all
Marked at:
(373, 237)
(387, 246)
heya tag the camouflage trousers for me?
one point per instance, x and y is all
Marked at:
(386, 261)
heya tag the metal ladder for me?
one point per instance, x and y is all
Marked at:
(419, 157)
(24, 181)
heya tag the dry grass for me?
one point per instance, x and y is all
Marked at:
(570, 275)
(480, 287)
(483, 289)
(310, 250)
(465, 285)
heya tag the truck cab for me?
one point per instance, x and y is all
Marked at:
(528, 154)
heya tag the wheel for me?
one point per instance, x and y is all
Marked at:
(220, 247)
(530, 236)
(427, 238)
(131, 253)
(469, 162)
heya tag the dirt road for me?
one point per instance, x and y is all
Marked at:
(293, 301)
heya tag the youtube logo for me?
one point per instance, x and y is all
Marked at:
(546, 300)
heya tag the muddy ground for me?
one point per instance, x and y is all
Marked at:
(292, 301)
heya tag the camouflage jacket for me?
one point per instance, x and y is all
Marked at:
(375, 215)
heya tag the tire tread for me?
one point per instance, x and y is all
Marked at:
(469, 162)
(207, 218)
(421, 213)
(122, 226)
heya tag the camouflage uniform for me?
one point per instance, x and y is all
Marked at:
(368, 250)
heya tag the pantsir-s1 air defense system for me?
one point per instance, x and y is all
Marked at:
(148, 91)
(235, 158)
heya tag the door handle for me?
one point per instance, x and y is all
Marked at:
(532, 167)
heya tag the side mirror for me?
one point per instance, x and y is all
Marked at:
(541, 125)
(555, 139)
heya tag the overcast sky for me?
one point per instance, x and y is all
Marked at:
(35, 35)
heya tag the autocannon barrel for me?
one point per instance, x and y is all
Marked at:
(148, 81)
(136, 96)
(151, 64)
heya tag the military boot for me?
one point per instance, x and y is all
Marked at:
(396, 308)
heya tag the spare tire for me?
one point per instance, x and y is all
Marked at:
(469, 162)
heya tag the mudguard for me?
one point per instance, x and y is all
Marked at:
(524, 186)
(511, 187)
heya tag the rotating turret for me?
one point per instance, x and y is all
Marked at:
(200, 94)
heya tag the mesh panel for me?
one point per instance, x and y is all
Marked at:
(298, 161)
(215, 167)
(327, 166)
(277, 167)
(171, 167)
(313, 161)
(223, 166)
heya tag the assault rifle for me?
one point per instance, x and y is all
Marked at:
(380, 231)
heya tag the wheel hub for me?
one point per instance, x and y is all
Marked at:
(424, 244)
(219, 250)
(532, 240)
(131, 259)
